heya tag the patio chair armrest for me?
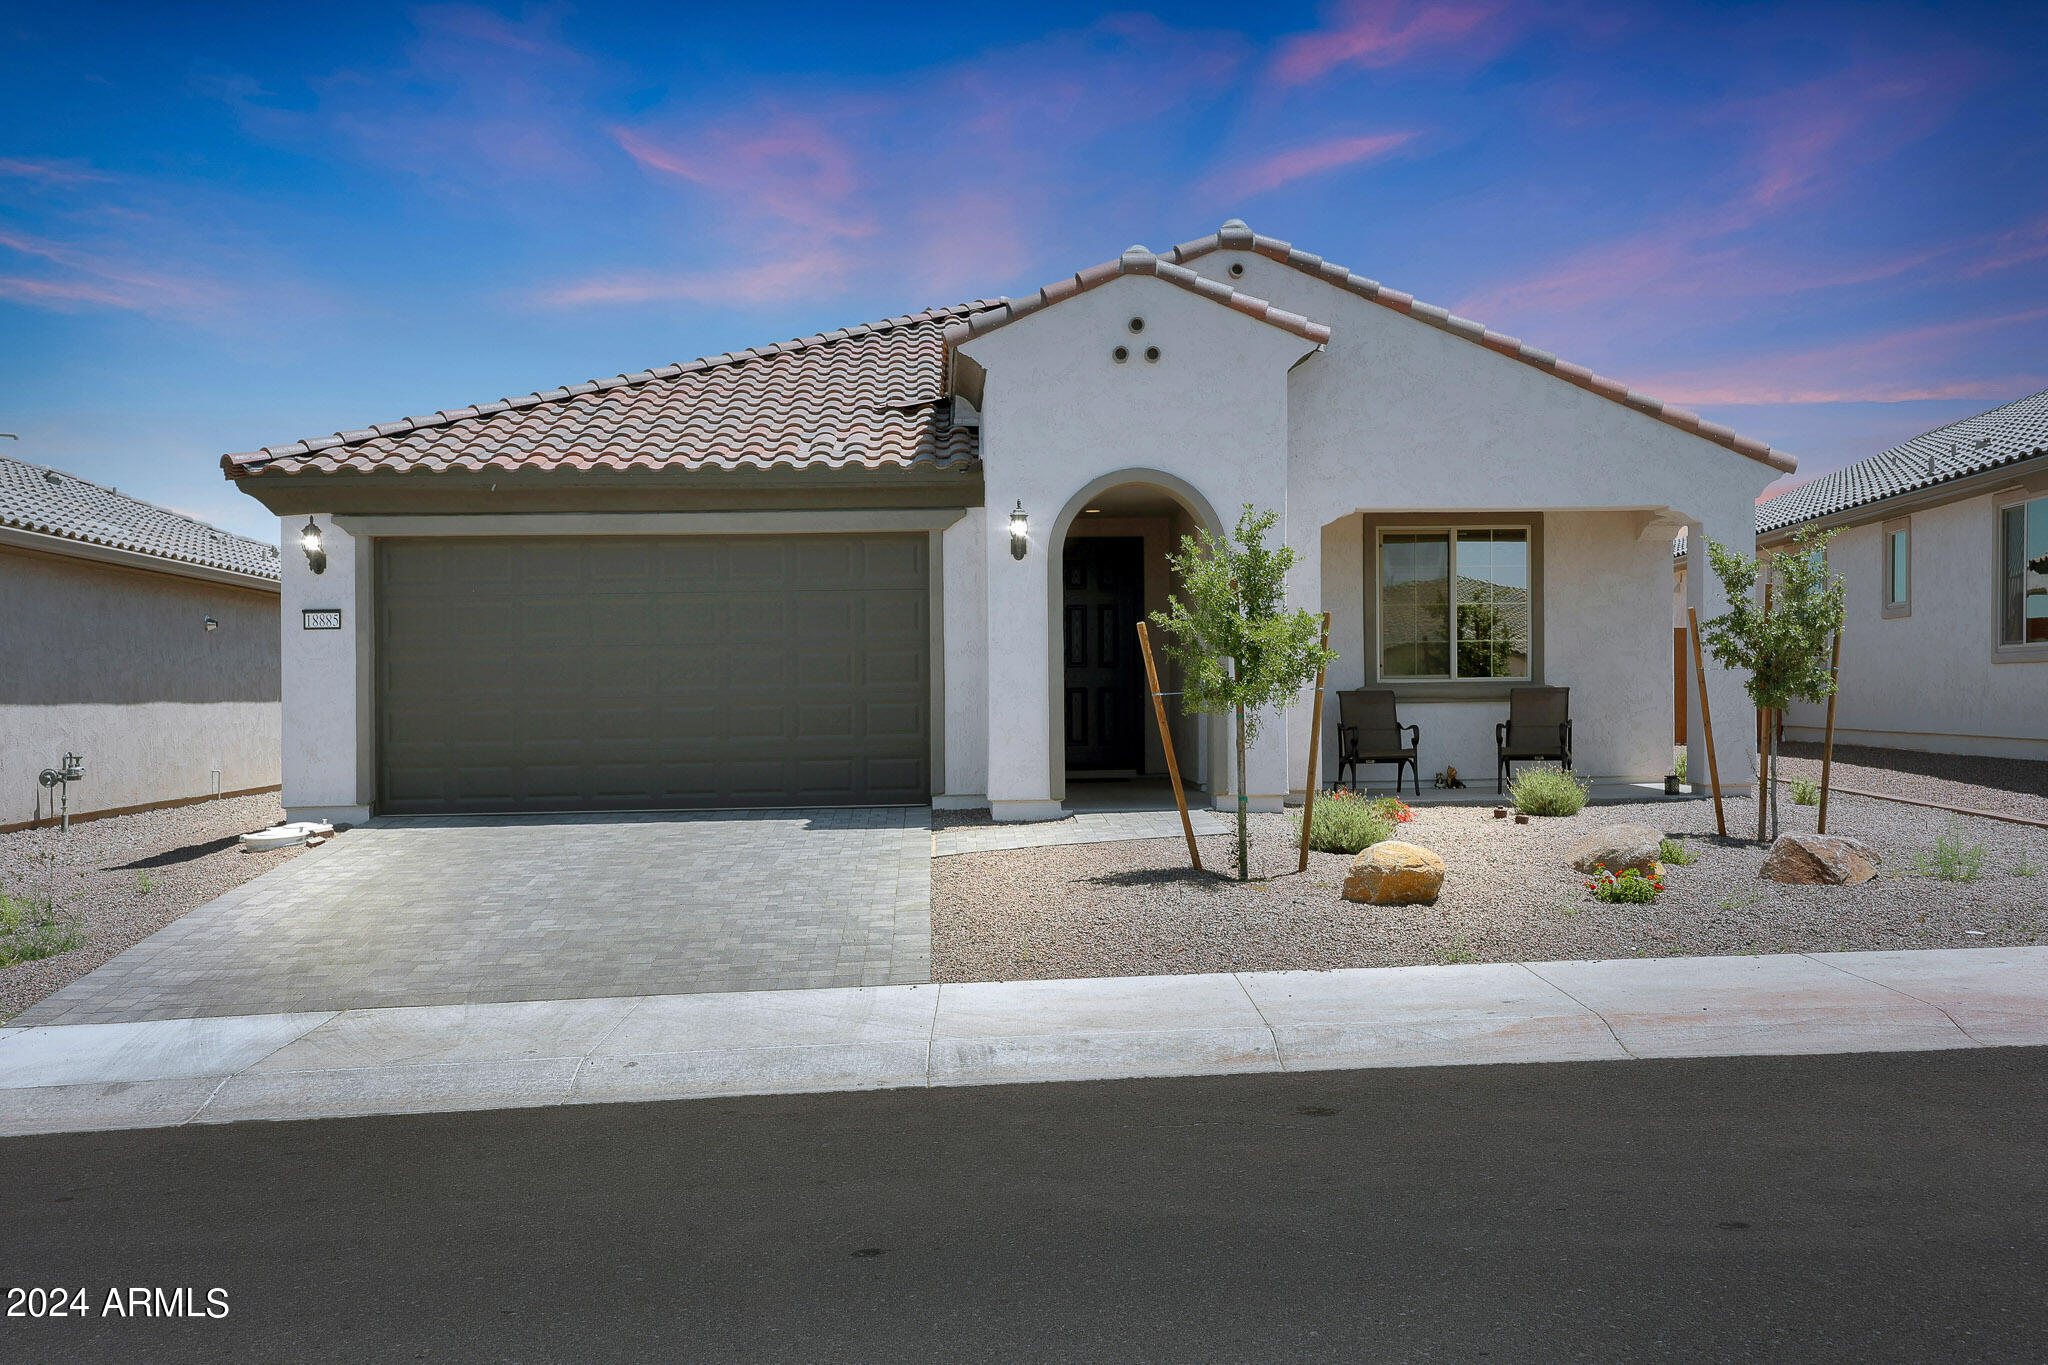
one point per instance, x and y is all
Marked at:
(1500, 734)
(1414, 736)
(1564, 734)
(1347, 739)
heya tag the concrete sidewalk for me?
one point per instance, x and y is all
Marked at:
(489, 1056)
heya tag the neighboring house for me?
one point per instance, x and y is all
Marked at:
(1943, 545)
(135, 637)
(901, 561)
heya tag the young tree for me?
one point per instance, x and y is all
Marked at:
(1785, 649)
(1239, 649)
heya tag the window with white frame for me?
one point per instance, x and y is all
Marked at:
(1898, 567)
(2023, 573)
(1454, 603)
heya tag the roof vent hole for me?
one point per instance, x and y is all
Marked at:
(1152, 354)
(1120, 354)
(1237, 270)
(1137, 324)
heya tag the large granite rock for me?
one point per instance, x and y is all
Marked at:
(1820, 860)
(1618, 848)
(1394, 873)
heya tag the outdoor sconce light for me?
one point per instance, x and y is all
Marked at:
(1019, 525)
(212, 624)
(309, 541)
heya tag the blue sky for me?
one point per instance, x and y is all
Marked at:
(224, 227)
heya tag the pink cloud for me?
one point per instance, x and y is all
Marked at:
(48, 172)
(763, 282)
(1802, 142)
(74, 276)
(1299, 163)
(792, 170)
(1892, 367)
(1382, 33)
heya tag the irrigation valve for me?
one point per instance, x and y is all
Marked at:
(61, 778)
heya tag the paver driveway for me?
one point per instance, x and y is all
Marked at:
(438, 911)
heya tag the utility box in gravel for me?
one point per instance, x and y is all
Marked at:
(1618, 848)
(1394, 873)
(1820, 860)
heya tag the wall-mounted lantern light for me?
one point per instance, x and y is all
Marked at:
(1020, 525)
(212, 624)
(309, 541)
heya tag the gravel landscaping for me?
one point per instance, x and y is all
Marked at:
(128, 876)
(1136, 908)
(2014, 786)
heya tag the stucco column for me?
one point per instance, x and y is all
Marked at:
(1020, 663)
(1734, 717)
(325, 677)
(1305, 591)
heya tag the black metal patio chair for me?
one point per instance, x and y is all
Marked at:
(1538, 728)
(1369, 730)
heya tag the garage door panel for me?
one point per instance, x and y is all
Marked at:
(559, 673)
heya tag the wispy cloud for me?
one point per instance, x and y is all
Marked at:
(49, 172)
(1301, 162)
(764, 282)
(1374, 34)
(1899, 365)
(66, 277)
(860, 184)
(1801, 142)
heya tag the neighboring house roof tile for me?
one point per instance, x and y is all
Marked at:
(1135, 261)
(870, 396)
(1235, 236)
(2002, 436)
(37, 498)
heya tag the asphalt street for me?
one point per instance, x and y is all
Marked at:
(1877, 1207)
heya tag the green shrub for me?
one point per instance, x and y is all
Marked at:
(1547, 790)
(1951, 859)
(1675, 853)
(1346, 822)
(1805, 792)
(33, 925)
(1629, 888)
(1678, 765)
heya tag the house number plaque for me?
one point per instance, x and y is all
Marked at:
(320, 618)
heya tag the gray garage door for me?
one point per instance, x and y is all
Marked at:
(652, 673)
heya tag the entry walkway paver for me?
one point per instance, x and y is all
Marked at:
(1087, 827)
(689, 1046)
(479, 909)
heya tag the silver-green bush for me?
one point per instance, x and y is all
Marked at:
(1345, 822)
(1545, 789)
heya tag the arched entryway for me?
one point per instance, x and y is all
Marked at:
(1108, 560)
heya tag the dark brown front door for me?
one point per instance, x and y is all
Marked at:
(1105, 592)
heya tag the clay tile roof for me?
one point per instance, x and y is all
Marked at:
(2002, 436)
(870, 396)
(1135, 261)
(1235, 236)
(37, 498)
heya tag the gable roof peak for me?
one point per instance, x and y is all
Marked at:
(1235, 235)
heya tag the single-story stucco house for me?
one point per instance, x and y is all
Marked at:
(1942, 545)
(138, 638)
(901, 562)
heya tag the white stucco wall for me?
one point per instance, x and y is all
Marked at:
(1396, 415)
(116, 664)
(1930, 680)
(1058, 416)
(329, 689)
(964, 612)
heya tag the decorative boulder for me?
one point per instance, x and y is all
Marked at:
(1394, 873)
(1820, 860)
(1619, 848)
